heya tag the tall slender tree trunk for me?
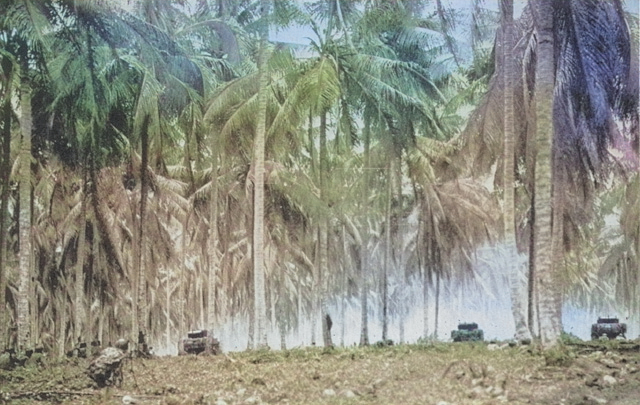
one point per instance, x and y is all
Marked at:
(344, 287)
(167, 310)
(24, 214)
(364, 254)
(79, 305)
(425, 274)
(548, 287)
(323, 234)
(5, 168)
(212, 249)
(299, 306)
(143, 310)
(435, 330)
(181, 279)
(387, 257)
(61, 324)
(515, 271)
(258, 194)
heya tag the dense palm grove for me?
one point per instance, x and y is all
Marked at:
(168, 165)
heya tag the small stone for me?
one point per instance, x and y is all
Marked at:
(477, 392)
(443, 403)
(252, 400)
(592, 400)
(609, 380)
(241, 392)
(348, 394)
(329, 393)
(128, 399)
(258, 381)
(597, 354)
(221, 402)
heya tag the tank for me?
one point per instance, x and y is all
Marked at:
(199, 341)
(609, 327)
(467, 332)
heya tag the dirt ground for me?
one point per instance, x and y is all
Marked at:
(439, 374)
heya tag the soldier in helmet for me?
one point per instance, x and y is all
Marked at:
(106, 369)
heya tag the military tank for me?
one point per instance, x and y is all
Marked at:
(467, 332)
(609, 327)
(198, 341)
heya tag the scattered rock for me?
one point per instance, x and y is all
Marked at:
(476, 392)
(596, 355)
(608, 362)
(348, 394)
(328, 393)
(221, 402)
(609, 380)
(241, 392)
(258, 381)
(252, 400)
(128, 399)
(443, 403)
(592, 400)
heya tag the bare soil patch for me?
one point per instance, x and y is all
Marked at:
(438, 374)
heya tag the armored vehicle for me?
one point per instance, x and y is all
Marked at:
(609, 327)
(199, 341)
(467, 332)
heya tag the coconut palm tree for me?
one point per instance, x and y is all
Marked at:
(582, 115)
(518, 293)
(25, 24)
(7, 69)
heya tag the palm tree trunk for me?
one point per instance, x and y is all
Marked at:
(143, 310)
(425, 274)
(364, 258)
(514, 269)
(62, 324)
(213, 239)
(323, 273)
(79, 313)
(435, 330)
(258, 195)
(181, 279)
(24, 215)
(387, 257)
(324, 280)
(5, 169)
(548, 289)
(344, 287)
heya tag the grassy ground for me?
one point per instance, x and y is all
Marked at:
(438, 374)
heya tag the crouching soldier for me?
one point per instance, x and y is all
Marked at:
(106, 369)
